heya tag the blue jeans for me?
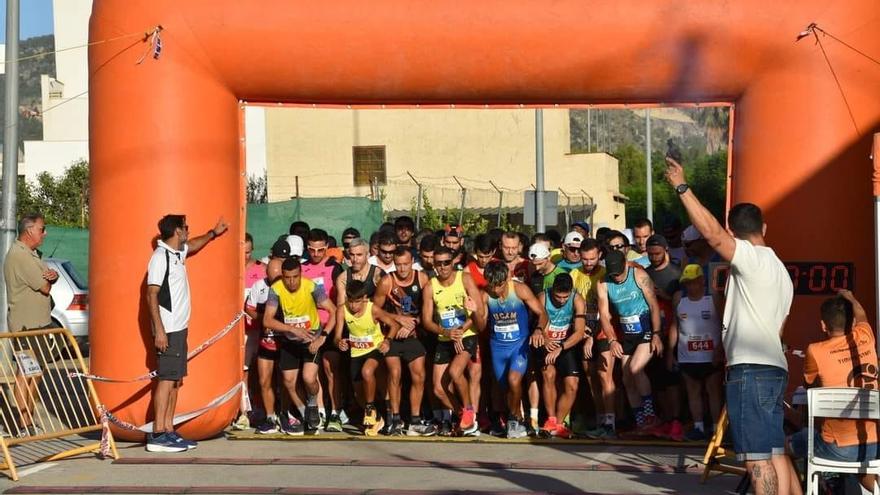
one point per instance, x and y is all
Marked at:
(754, 405)
(831, 451)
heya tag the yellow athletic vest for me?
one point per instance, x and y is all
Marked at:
(449, 305)
(364, 332)
(298, 307)
(586, 286)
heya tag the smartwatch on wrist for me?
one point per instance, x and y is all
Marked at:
(682, 188)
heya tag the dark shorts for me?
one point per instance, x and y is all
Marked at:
(567, 362)
(698, 371)
(407, 350)
(357, 363)
(292, 355)
(171, 364)
(631, 341)
(445, 350)
(754, 404)
(268, 354)
(599, 346)
(660, 377)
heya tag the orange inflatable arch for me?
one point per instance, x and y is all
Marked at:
(166, 134)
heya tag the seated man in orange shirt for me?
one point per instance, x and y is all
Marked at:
(847, 358)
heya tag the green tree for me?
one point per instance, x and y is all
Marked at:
(435, 219)
(63, 201)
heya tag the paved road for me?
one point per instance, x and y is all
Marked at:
(381, 467)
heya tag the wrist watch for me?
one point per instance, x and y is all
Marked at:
(682, 188)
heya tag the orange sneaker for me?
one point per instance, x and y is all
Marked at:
(550, 425)
(562, 431)
(468, 424)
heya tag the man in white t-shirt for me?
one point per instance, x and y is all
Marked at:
(758, 297)
(169, 304)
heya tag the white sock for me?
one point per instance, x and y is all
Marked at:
(698, 425)
(334, 412)
(302, 411)
(533, 413)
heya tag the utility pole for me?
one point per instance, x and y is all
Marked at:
(418, 201)
(8, 200)
(648, 172)
(539, 170)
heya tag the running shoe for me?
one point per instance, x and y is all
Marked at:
(532, 427)
(484, 421)
(334, 424)
(651, 426)
(268, 427)
(163, 443)
(293, 426)
(676, 431)
(468, 423)
(189, 444)
(313, 418)
(562, 431)
(421, 429)
(603, 432)
(396, 428)
(550, 426)
(372, 422)
(343, 417)
(446, 429)
(515, 429)
(695, 435)
(499, 427)
(242, 423)
(323, 420)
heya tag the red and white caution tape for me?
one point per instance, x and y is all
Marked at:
(152, 374)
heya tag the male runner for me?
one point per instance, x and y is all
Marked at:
(404, 228)
(384, 258)
(544, 271)
(507, 320)
(425, 262)
(400, 293)
(299, 299)
(511, 249)
(367, 344)
(629, 291)
(448, 302)
(642, 230)
(453, 239)
(323, 270)
(571, 254)
(560, 353)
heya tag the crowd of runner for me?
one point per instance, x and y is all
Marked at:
(427, 333)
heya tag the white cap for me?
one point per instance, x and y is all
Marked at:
(296, 245)
(691, 234)
(539, 251)
(573, 238)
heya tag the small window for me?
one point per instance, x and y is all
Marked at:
(369, 163)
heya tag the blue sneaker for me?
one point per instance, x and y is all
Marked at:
(163, 443)
(271, 426)
(189, 444)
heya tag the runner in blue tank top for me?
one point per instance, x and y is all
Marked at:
(560, 355)
(629, 291)
(507, 320)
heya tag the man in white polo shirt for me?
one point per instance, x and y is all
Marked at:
(759, 294)
(169, 304)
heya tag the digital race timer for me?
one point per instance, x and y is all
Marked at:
(810, 278)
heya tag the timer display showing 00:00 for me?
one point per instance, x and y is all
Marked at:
(809, 278)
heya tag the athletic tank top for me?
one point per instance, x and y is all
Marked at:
(508, 318)
(477, 275)
(298, 308)
(370, 280)
(322, 276)
(364, 332)
(560, 318)
(405, 299)
(629, 303)
(699, 330)
(585, 285)
(449, 305)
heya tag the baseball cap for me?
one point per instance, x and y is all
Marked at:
(281, 249)
(539, 251)
(657, 240)
(691, 234)
(615, 262)
(691, 272)
(582, 224)
(296, 245)
(573, 238)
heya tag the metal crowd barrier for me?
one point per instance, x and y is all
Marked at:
(42, 399)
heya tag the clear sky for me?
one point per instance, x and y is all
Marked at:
(35, 20)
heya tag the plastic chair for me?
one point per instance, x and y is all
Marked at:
(843, 403)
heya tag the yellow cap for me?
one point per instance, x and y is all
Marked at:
(691, 272)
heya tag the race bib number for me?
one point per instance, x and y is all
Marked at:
(507, 332)
(696, 344)
(631, 324)
(557, 332)
(298, 322)
(360, 342)
(451, 318)
(27, 363)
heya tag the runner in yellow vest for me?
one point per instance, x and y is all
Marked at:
(298, 298)
(447, 304)
(367, 344)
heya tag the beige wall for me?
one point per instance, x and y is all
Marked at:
(476, 146)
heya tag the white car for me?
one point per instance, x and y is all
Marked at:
(70, 297)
